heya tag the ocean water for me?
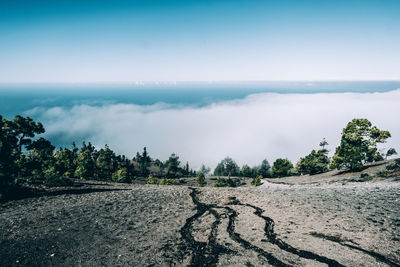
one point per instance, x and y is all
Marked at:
(19, 98)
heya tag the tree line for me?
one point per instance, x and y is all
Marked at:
(25, 156)
(358, 146)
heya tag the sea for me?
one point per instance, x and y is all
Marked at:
(18, 98)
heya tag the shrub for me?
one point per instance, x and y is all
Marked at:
(365, 177)
(165, 181)
(391, 167)
(314, 163)
(256, 181)
(382, 173)
(281, 167)
(53, 178)
(121, 176)
(394, 166)
(223, 182)
(201, 180)
(58, 181)
(152, 180)
(391, 152)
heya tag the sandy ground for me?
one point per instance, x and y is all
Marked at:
(298, 224)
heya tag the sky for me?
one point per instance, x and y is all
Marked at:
(118, 41)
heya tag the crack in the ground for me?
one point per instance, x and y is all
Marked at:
(207, 253)
(236, 237)
(377, 256)
(272, 237)
(204, 253)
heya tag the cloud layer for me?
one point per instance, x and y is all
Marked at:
(260, 126)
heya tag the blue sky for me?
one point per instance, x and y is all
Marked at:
(111, 41)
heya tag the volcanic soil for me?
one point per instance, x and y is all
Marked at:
(333, 220)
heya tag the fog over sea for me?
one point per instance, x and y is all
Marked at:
(205, 122)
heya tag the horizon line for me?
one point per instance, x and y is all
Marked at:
(142, 82)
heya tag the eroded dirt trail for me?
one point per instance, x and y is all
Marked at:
(208, 253)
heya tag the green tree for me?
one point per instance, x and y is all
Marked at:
(172, 164)
(265, 169)
(106, 163)
(16, 134)
(227, 167)
(43, 147)
(8, 154)
(204, 170)
(358, 145)
(323, 143)
(390, 152)
(316, 161)
(39, 158)
(246, 171)
(65, 161)
(144, 161)
(281, 167)
(313, 163)
(25, 129)
(201, 180)
(85, 165)
(187, 169)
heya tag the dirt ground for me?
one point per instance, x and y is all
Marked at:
(335, 221)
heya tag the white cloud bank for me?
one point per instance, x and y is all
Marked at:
(260, 126)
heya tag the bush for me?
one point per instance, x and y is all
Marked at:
(314, 163)
(53, 178)
(58, 181)
(382, 173)
(165, 181)
(365, 177)
(394, 166)
(121, 176)
(201, 180)
(224, 182)
(281, 167)
(391, 152)
(256, 181)
(152, 180)
(391, 167)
